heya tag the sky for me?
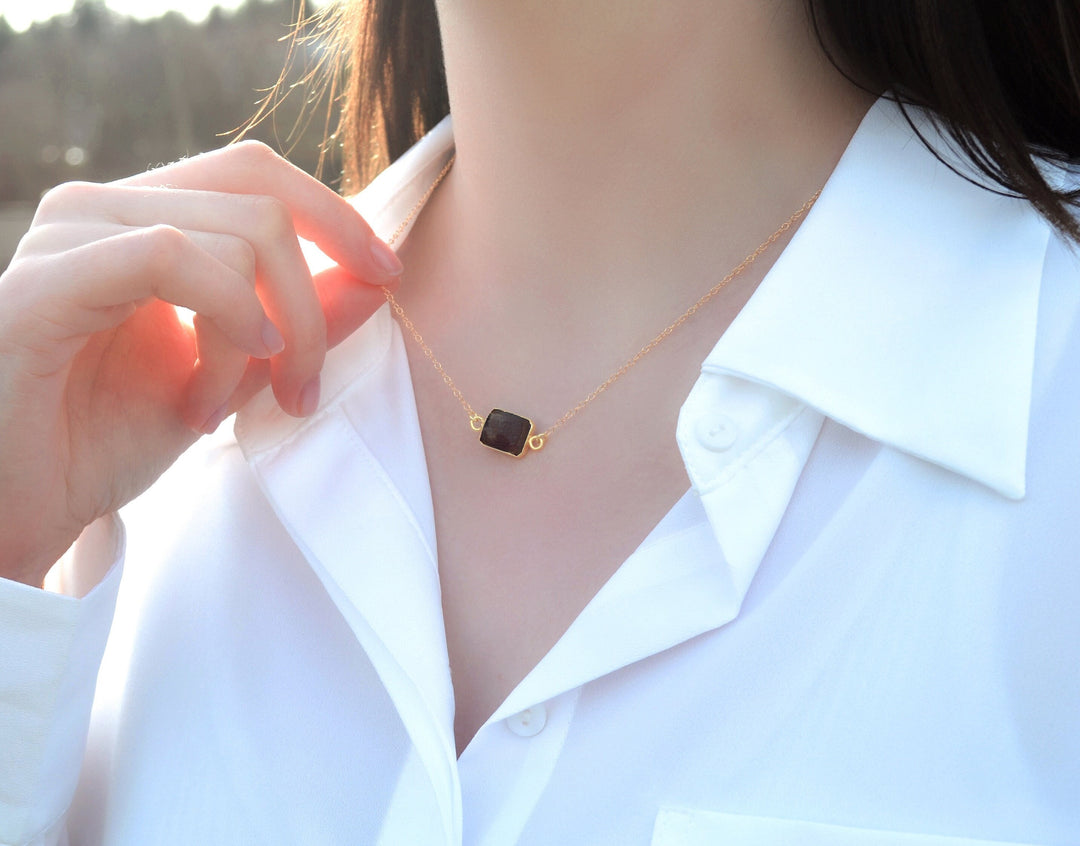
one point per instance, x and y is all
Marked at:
(21, 13)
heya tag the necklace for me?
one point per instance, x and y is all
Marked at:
(512, 433)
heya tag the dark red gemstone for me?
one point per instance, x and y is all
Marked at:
(506, 432)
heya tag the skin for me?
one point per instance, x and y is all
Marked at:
(102, 387)
(614, 159)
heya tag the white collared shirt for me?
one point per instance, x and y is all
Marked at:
(860, 626)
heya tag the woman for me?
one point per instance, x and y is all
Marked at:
(811, 582)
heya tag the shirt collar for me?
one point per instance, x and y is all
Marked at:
(905, 307)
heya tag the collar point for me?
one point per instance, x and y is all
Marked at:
(1012, 489)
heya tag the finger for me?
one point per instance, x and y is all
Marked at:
(217, 373)
(321, 215)
(288, 291)
(345, 304)
(53, 238)
(57, 237)
(283, 280)
(160, 262)
(256, 377)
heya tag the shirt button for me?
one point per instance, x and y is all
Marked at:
(529, 722)
(717, 433)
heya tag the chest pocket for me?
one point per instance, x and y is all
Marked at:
(681, 827)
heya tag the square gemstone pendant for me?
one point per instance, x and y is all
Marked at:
(506, 432)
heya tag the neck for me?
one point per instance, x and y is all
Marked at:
(620, 139)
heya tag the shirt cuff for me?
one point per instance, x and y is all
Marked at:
(51, 645)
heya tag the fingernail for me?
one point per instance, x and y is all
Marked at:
(386, 258)
(309, 398)
(271, 337)
(214, 420)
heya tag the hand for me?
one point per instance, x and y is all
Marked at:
(102, 386)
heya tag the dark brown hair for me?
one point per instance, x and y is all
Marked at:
(394, 82)
(1002, 79)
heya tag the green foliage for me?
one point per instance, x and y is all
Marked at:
(94, 96)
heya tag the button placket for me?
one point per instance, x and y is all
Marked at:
(504, 772)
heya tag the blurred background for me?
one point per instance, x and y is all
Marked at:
(93, 93)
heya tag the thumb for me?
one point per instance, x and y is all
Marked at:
(346, 302)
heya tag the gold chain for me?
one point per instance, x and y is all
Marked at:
(536, 441)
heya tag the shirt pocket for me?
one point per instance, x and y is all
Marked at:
(684, 827)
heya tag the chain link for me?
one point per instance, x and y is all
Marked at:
(476, 421)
